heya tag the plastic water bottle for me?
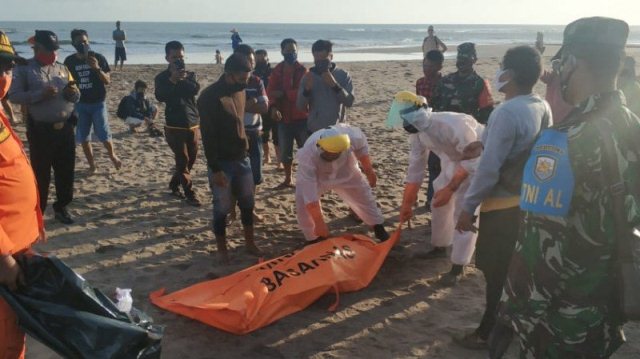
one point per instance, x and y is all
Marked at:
(124, 301)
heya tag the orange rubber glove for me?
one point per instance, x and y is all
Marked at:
(367, 168)
(409, 198)
(443, 196)
(314, 209)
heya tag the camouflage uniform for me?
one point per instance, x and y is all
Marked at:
(467, 94)
(559, 290)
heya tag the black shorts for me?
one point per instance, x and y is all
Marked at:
(121, 54)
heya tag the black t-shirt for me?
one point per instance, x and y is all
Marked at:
(92, 89)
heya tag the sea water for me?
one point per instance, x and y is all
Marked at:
(146, 40)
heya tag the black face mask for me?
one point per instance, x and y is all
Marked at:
(409, 127)
(322, 66)
(82, 48)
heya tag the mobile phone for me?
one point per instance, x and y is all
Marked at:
(179, 64)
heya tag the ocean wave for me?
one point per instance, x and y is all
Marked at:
(200, 36)
(356, 30)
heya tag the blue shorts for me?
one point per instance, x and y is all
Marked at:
(92, 115)
(240, 185)
(255, 154)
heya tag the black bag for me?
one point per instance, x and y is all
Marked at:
(122, 112)
(59, 308)
(627, 260)
(512, 169)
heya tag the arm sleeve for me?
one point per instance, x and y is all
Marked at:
(418, 159)
(485, 104)
(104, 64)
(498, 144)
(436, 102)
(188, 87)
(358, 142)
(345, 96)
(208, 132)
(274, 84)
(19, 92)
(307, 181)
(262, 94)
(164, 89)
(302, 101)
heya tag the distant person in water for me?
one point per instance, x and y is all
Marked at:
(218, 57)
(432, 42)
(235, 39)
(119, 36)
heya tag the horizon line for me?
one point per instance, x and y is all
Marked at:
(280, 23)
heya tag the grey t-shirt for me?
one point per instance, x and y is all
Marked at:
(512, 128)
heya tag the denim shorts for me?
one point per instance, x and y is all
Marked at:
(255, 155)
(240, 185)
(92, 115)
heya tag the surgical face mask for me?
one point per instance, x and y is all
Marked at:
(5, 84)
(497, 84)
(46, 58)
(290, 58)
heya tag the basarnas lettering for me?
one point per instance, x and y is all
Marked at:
(277, 277)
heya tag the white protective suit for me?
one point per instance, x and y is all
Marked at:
(446, 134)
(316, 176)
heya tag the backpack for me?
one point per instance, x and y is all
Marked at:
(122, 112)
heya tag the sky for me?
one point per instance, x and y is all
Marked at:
(557, 12)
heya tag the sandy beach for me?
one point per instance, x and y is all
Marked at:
(131, 233)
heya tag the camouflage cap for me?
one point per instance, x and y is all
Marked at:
(596, 31)
(467, 49)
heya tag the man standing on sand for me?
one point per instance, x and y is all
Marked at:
(91, 71)
(177, 88)
(432, 42)
(511, 131)
(326, 90)
(431, 66)
(119, 36)
(48, 90)
(222, 108)
(21, 219)
(282, 91)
